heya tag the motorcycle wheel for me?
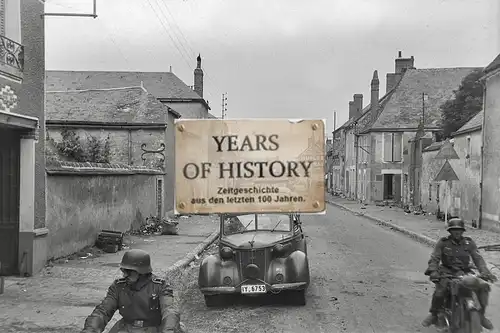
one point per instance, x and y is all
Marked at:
(475, 322)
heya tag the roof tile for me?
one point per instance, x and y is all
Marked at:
(404, 108)
(159, 84)
(126, 105)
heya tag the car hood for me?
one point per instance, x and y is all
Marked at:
(261, 239)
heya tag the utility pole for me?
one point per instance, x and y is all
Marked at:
(356, 147)
(333, 182)
(224, 106)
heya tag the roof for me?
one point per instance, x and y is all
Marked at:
(162, 85)
(403, 109)
(121, 105)
(493, 65)
(475, 124)
(434, 146)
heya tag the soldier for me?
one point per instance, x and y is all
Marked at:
(145, 302)
(454, 253)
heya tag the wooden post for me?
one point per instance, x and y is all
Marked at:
(447, 202)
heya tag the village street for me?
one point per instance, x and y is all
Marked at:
(64, 293)
(364, 278)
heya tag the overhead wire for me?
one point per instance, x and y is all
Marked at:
(188, 44)
(208, 76)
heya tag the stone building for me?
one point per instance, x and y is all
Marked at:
(490, 193)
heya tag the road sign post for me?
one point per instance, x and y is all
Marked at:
(447, 152)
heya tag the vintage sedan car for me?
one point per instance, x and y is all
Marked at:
(258, 254)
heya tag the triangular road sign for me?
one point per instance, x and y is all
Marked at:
(446, 173)
(447, 152)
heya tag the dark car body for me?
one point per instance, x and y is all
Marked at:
(257, 260)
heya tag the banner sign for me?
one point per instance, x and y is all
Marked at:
(249, 165)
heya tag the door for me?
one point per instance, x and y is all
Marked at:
(9, 201)
(388, 189)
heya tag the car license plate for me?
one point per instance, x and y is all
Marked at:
(253, 289)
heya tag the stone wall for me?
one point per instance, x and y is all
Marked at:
(84, 198)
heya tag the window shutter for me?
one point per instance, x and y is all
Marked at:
(387, 147)
(398, 137)
(2, 17)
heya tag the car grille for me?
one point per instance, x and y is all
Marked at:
(257, 257)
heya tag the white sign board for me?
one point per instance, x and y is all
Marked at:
(249, 165)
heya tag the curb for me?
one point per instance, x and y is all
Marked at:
(411, 234)
(191, 256)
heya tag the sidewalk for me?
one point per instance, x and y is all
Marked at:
(416, 226)
(60, 297)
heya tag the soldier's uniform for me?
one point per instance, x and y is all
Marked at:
(452, 257)
(146, 306)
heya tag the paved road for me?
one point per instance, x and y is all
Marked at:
(365, 278)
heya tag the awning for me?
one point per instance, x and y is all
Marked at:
(19, 121)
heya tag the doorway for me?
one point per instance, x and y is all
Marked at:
(388, 186)
(9, 200)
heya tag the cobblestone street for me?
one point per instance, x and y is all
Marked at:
(64, 293)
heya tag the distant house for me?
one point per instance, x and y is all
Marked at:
(337, 160)
(412, 105)
(130, 121)
(378, 165)
(490, 194)
(165, 86)
(465, 193)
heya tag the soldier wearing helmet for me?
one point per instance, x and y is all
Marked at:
(145, 302)
(451, 256)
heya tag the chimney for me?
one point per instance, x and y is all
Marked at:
(198, 78)
(401, 65)
(358, 103)
(352, 110)
(374, 95)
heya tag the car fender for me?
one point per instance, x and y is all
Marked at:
(213, 270)
(294, 268)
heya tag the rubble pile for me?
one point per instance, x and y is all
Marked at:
(157, 226)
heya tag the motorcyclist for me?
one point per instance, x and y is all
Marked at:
(451, 256)
(145, 301)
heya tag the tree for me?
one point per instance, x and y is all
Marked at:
(466, 103)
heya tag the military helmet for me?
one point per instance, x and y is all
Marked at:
(456, 224)
(137, 260)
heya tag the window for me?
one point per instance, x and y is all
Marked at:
(392, 147)
(430, 192)
(10, 19)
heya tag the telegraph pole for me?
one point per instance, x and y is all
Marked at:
(224, 106)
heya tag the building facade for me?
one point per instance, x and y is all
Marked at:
(23, 243)
(490, 180)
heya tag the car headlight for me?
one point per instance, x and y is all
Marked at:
(226, 253)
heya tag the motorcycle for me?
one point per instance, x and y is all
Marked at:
(461, 314)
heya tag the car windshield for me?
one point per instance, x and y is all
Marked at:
(250, 222)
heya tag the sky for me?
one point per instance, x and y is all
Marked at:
(279, 58)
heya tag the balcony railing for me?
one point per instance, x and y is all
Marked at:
(11, 53)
